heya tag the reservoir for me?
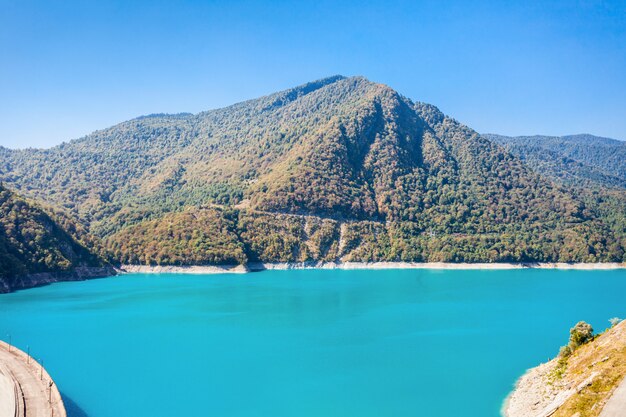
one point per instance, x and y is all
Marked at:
(304, 342)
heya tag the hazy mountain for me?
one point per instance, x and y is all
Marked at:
(31, 242)
(340, 168)
(579, 160)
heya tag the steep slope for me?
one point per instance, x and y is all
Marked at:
(340, 168)
(578, 160)
(578, 384)
(34, 249)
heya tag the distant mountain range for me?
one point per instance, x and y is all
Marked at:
(336, 169)
(577, 160)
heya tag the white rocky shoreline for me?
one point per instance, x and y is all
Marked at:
(252, 267)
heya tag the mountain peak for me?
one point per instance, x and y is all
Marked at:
(383, 176)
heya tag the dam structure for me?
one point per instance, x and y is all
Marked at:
(26, 389)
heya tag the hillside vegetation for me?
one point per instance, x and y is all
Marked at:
(32, 242)
(577, 383)
(337, 169)
(576, 160)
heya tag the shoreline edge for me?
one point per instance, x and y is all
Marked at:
(258, 266)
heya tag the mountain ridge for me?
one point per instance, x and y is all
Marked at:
(574, 160)
(406, 181)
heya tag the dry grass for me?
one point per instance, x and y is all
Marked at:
(603, 360)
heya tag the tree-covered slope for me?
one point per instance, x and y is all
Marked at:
(341, 168)
(577, 160)
(32, 242)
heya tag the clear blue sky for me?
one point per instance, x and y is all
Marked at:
(70, 67)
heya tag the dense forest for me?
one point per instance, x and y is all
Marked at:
(337, 169)
(576, 160)
(219, 236)
(31, 241)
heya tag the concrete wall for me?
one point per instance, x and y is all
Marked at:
(7, 395)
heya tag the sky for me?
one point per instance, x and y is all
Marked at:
(70, 67)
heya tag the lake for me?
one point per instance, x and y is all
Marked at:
(304, 343)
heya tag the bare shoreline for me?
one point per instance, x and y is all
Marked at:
(252, 267)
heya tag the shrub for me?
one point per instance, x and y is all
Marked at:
(580, 334)
(565, 352)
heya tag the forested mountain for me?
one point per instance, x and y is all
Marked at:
(32, 242)
(337, 169)
(577, 160)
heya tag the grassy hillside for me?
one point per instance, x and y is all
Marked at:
(597, 368)
(344, 161)
(578, 382)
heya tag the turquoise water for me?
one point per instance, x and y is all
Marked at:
(304, 343)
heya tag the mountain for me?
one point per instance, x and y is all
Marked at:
(578, 160)
(336, 169)
(34, 248)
